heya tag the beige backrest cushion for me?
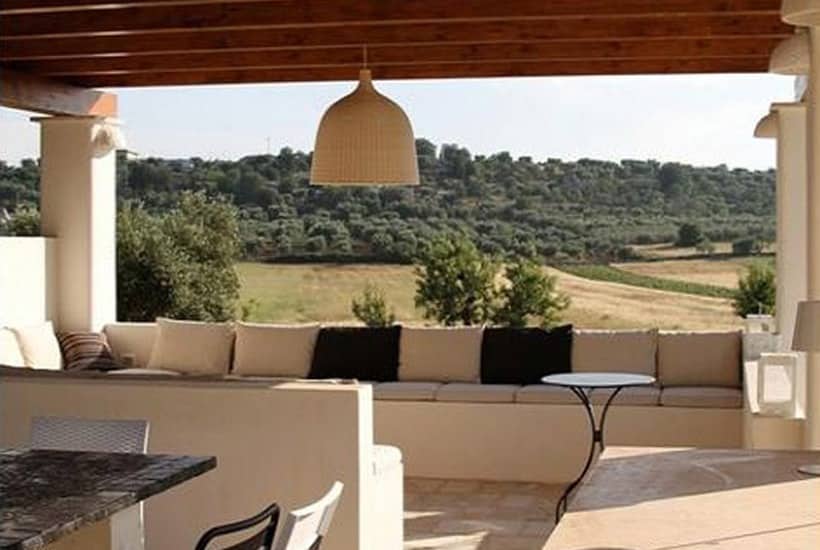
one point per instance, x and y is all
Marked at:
(699, 358)
(440, 354)
(39, 346)
(132, 343)
(191, 347)
(274, 350)
(632, 351)
(10, 354)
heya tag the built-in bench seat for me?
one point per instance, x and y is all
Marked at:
(460, 392)
(468, 402)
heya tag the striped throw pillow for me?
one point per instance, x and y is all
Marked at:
(86, 351)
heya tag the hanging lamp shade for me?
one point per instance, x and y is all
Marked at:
(364, 139)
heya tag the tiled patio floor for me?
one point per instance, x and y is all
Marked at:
(477, 515)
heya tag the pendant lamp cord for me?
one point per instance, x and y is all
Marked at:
(364, 55)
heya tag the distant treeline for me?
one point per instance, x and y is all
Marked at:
(587, 210)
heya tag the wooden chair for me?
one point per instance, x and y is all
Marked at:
(262, 540)
(304, 529)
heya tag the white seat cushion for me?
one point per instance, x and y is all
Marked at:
(632, 351)
(406, 391)
(440, 354)
(10, 354)
(477, 393)
(274, 350)
(192, 347)
(39, 346)
(542, 393)
(705, 397)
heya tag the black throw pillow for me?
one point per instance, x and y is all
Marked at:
(524, 355)
(363, 353)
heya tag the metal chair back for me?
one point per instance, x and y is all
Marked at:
(81, 434)
(261, 540)
(304, 529)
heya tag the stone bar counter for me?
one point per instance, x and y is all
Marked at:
(63, 499)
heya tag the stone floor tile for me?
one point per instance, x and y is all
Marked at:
(477, 515)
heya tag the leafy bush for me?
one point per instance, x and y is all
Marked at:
(24, 222)
(756, 291)
(528, 294)
(371, 308)
(747, 247)
(179, 264)
(455, 281)
(689, 234)
(705, 247)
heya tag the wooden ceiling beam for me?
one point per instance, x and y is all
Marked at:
(629, 28)
(40, 95)
(402, 55)
(318, 13)
(430, 71)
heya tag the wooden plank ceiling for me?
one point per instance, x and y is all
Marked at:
(102, 43)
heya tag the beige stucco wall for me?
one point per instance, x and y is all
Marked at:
(284, 443)
(27, 280)
(534, 442)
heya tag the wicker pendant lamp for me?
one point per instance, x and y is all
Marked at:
(364, 139)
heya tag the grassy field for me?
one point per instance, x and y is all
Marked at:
(624, 274)
(723, 272)
(322, 292)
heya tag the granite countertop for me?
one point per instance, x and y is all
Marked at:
(44, 495)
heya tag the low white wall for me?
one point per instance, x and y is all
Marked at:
(534, 442)
(284, 443)
(28, 269)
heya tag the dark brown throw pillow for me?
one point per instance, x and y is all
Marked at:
(86, 351)
(524, 355)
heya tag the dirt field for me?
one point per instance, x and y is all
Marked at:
(321, 292)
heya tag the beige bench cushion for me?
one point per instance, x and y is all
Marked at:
(639, 396)
(274, 350)
(440, 354)
(406, 391)
(10, 354)
(554, 395)
(551, 395)
(699, 359)
(632, 351)
(702, 397)
(477, 393)
(191, 347)
(39, 346)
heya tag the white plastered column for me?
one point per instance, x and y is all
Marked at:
(806, 13)
(78, 208)
(791, 193)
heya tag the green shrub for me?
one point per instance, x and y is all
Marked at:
(371, 308)
(180, 264)
(529, 294)
(756, 291)
(747, 247)
(689, 234)
(455, 282)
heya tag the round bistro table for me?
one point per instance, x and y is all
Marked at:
(582, 384)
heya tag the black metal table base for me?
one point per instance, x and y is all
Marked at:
(597, 440)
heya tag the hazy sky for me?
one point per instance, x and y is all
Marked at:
(702, 120)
